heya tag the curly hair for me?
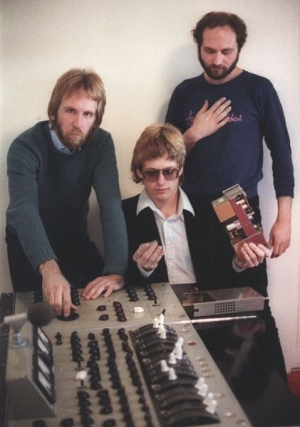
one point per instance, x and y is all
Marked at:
(220, 19)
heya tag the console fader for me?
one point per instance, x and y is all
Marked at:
(133, 359)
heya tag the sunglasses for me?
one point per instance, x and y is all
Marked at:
(153, 174)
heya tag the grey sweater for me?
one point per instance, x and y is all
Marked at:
(49, 193)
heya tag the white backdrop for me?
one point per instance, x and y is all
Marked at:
(142, 49)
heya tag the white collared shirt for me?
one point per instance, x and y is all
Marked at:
(173, 237)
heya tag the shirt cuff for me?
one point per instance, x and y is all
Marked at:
(144, 273)
(236, 268)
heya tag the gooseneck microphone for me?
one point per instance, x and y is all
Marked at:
(40, 314)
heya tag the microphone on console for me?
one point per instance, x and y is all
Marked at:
(40, 314)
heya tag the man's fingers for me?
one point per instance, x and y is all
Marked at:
(204, 107)
(254, 254)
(145, 249)
(221, 105)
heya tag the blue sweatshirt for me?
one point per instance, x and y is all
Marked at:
(234, 154)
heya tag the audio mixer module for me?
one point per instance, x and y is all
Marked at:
(133, 359)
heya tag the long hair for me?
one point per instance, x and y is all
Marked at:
(82, 81)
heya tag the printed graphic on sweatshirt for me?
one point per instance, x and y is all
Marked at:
(232, 118)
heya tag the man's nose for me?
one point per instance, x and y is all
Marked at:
(78, 121)
(161, 178)
(218, 58)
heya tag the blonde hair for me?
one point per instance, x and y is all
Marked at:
(78, 80)
(156, 141)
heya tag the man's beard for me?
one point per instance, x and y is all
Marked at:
(68, 138)
(218, 76)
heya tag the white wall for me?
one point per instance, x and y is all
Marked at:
(142, 49)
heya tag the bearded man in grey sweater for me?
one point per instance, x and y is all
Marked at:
(52, 169)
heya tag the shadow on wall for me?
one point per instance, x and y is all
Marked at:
(94, 226)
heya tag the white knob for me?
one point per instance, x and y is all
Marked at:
(81, 375)
(161, 319)
(172, 359)
(172, 374)
(211, 406)
(164, 366)
(202, 387)
(178, 351)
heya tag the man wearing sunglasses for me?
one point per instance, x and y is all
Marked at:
(167, 241)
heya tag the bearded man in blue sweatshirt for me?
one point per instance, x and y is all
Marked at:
(224, 114)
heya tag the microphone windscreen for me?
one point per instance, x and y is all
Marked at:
(41, 314)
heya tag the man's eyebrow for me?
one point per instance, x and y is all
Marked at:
(225, 49)
(70, 107)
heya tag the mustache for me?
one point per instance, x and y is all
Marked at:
(76, 132)
(217, 67)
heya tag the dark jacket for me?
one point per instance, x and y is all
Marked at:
(210, 249)
(142, 229)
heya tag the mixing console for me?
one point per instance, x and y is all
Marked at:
(133, 359)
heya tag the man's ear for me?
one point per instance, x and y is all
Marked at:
(180, 171)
